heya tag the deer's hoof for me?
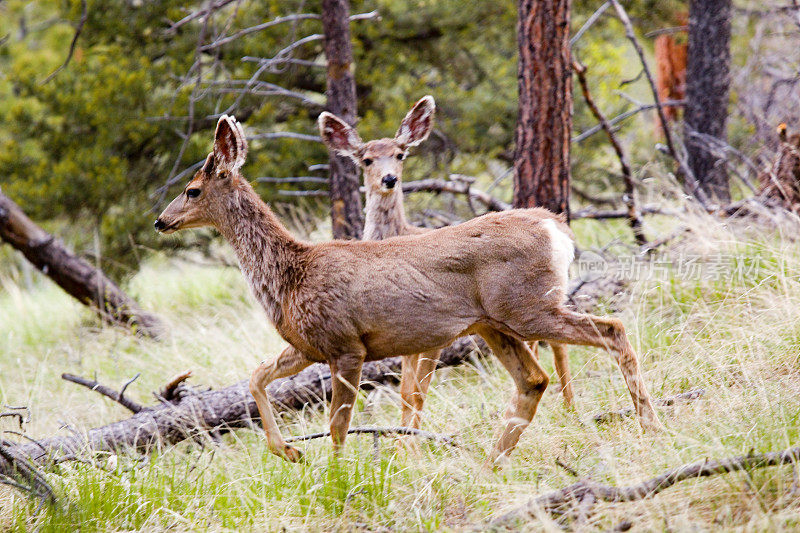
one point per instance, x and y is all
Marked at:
(653, 426)
(290, 453)
(408, 444)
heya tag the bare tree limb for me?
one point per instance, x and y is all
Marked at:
(294, 179)
(78, 30)
(621, 213)
(459, 186)
(211, 7)
(687, 173)
(624, 116)
(191, 416)
(312, 193)
(634, 219)
(108, 392)
(280, 20)
(687, 396)
(381, 431)
(567, 501)
(286, 135)
(20, 467)
(589, 23)
(19, 416)
(74, 275)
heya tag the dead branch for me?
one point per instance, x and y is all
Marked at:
(612, 201)
(192, 416)
(461, 186)
(567, 501)
(197, 14)
(19, 416)
(285, 135)
(19, 467)
(667, 31)
(78, 30)
(108, 392)
(651, 246)
(634, 219)
(631, 35)
(589, 23)
(381, 431)
(621, 213)
(687, 396)
(281, 20)
(169, 391)
(293, 179)
(624, 116)
(77, 277)
(313, 193)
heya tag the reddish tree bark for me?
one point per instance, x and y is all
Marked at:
(544, 122)
(346, 211)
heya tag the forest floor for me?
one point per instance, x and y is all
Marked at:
(729, 326)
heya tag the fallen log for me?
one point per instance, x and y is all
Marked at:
(192, 414)
(578, 499)
(77, 277)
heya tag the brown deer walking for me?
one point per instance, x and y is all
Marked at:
(502, 276)
(382, 163)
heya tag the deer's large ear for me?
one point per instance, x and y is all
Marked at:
(418, 123)
(230, 144)
(338, 135)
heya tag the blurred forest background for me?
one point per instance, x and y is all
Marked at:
(95, 150)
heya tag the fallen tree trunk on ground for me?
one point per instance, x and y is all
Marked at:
(577, 500)
(187, 413)
(77, 277)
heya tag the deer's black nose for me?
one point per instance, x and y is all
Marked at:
(160, 224)
(389, 181)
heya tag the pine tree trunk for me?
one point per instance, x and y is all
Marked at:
(346, 211)
(707, 87)
(544, 122)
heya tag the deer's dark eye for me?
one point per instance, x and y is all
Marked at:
(193, 193)
(367, 162)
(401, 156)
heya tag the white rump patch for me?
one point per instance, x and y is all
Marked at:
(563, 250)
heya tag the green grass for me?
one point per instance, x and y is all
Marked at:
(737, 337)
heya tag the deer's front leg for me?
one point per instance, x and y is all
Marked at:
(289, 362)
(345, 379)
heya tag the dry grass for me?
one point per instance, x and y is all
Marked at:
(736, 336)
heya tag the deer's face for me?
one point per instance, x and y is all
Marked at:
(202, 201)
(382, 162)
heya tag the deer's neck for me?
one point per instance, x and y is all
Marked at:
(271, 259)
(385, 216)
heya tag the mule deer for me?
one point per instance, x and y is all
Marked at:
(382, 163)
(501, 276)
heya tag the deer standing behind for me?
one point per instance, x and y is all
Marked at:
(382, 164)
(502, 276)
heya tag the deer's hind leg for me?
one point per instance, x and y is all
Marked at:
(289, 362)
(561, 361)
(531, 381)
(567, 327)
